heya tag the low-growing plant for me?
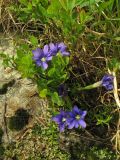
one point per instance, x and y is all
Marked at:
(71, 16)
(102, 154)
(34, 10)
(92, 29)
(48, 67)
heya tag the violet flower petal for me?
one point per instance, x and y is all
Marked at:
(44, 65)
(65, 53)
(62, 47)
(46, 50)
(82, 123)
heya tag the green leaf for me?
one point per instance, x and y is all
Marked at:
(84, 3)
(43, 93)
(84, 17)
(66, 60)
(64, 4)
(54, 8)
(25, 65)
(3, 55)
(106, 5)
(29, 6)
(51, 72)
(117, 38)
(25, 2)
(34, 40)
(35, 2)
(114, 64)
(102, 121)
(71, 4)
(56, 99)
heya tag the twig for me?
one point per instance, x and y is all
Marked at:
(115, 90)
(94, 32)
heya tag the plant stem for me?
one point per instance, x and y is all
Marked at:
(95, 85)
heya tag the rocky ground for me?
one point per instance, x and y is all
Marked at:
(17, 96)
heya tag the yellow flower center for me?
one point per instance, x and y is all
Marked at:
(43, 59)
(64, 119)
(77, 117)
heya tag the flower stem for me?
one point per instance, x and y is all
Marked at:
(92, 86)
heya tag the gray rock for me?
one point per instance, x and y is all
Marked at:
(16, 93)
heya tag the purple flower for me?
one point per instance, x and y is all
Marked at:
(58, 47)
(60, 119)
(62, 91)
(107, 82)
(53, 48)
(62, 48)
(76, 118)
(41, 57)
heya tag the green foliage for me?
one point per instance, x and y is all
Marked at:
(57, 99)
(24, 62)
(48, 80)
(104, 115)
(101, 154)
(92, 29)
(55, 75)
(30, 10)
(26, 66)
(43, 93)
(103, 119)
(40, 144)
(114, 64)
(34, 40)
(50, 136)
(66, 17)
(58, 70)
